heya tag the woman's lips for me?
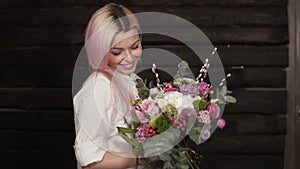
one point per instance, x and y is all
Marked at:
(128, 65)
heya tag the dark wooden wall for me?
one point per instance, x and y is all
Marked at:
(40, 41)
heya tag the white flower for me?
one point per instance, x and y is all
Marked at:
(174, 98)
(161, 103)
(187, 101)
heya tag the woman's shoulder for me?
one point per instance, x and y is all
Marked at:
(96, 81)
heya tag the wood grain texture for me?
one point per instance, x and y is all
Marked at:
(63, 120)
(71, 3)
(33, 36)
(207, 16)
(40, 42)
(259, 101)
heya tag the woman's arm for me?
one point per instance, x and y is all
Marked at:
(112, 161)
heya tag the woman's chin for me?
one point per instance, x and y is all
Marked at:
(126, 71)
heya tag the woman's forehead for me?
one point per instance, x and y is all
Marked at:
(126, 38)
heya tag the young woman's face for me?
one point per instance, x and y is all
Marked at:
(125, 54)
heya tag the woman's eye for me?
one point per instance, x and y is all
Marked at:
(135, 47)
(116, 53)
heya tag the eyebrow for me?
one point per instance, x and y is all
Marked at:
(122, 48)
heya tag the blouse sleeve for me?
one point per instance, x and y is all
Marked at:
(92, 129)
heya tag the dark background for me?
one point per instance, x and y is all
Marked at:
(40, 42)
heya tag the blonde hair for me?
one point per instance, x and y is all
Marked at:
(105, 24)
(101, 34)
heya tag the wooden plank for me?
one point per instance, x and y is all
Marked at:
(40, 36)
(231, 55)
(40, 120)
(62, 76)
(217, 144)
(225, 36)
(243, 161)
(265, 102)
(249, 101)
(47, 159)
(70, 3)
(37, 140)
(241, 78)
(58, 120)
(244, 124)
(36, 98)
(243, 144)
(207, 16)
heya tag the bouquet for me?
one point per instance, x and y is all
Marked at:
(171, 116)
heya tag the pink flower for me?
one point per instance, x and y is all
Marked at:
(221, 123)
(154, 90)
(173, 89)
(142, 116)
(149, 107)
(214, 110)
(204, 89)
(203, 117)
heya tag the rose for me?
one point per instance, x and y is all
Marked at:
(214, 110)
(149, 107)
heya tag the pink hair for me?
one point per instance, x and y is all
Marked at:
(103, 28)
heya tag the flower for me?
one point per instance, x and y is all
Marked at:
(187, 101)
(174, 98)
(204, 89)
(187, 112)
(173, 89)
(221, 123)
(205, 134)
(214, 110)
(203, 117)
(149, 107)
(154, 90)
(142, 116)
(144, 131)
(189, 90)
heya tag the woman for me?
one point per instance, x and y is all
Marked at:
(113, 46)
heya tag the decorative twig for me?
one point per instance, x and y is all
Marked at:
(203, 71)
(156, 76)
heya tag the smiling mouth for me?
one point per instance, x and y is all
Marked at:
(128, 65)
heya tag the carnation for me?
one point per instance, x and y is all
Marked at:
(189, 90)
(204, 89)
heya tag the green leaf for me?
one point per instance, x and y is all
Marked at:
(223, 90)
(125, 130)
(131, 141)
(202, 105)
(230, 99)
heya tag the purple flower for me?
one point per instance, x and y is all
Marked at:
(189, 90)
(154, 90)
(187, 112)
(204, 89)
(213, 109)
(205, 134)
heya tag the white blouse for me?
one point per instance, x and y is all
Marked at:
(97, 113)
